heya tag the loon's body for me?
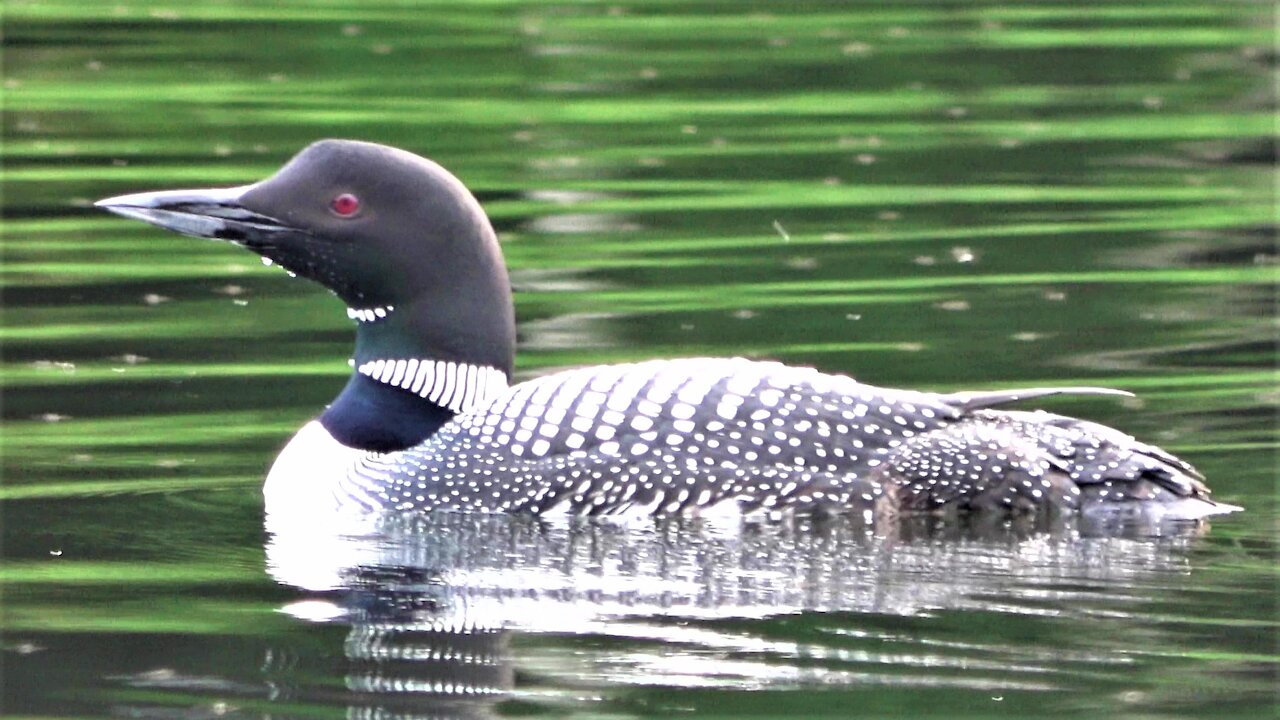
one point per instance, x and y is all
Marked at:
(428, 420)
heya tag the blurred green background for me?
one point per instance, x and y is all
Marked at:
(934, 194)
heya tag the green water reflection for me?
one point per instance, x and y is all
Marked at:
(928, 194)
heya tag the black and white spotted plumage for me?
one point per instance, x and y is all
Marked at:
(710, 435)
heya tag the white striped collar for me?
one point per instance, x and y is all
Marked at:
(456, 386)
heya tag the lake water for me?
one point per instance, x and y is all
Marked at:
(940, 195)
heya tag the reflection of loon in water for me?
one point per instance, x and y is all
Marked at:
(433, 601)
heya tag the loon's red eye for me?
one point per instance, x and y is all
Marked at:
(345, 205)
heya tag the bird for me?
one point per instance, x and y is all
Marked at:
(429, 419)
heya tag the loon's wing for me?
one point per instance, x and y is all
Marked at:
(662, 437)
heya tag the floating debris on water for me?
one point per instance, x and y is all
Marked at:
(61, 365)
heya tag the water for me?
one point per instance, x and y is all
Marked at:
(936, 195)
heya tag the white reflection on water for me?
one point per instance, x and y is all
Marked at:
(434, 601)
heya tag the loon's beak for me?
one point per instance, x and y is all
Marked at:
(216, 214)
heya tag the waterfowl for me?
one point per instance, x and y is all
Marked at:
(429, 420)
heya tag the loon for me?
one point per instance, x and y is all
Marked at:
(429, 421)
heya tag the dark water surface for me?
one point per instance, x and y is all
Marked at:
(943, 195)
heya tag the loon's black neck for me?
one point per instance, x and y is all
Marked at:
(385, 412)
(369, 415)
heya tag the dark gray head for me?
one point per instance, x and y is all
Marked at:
(380, 227)
(404, 244)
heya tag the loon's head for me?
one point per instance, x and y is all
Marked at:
(395, 236)
(409, 250)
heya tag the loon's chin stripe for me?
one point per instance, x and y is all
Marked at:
(456, 386)
(368, 315)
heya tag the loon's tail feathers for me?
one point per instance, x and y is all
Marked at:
(1023, 460)
(1112, 468)
(969, 401)
(1116, 440)
(1108, 466)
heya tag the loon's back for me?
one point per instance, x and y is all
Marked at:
(715, 435)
